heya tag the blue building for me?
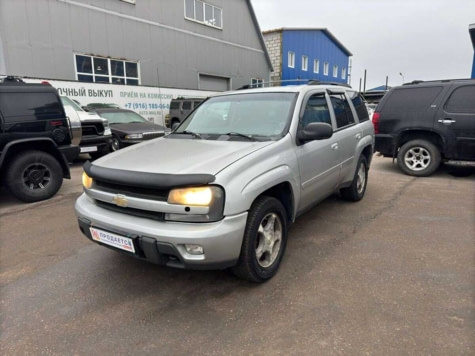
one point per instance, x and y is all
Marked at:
(471, 29)
(307, 53)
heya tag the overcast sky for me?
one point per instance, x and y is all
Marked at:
(422, 39)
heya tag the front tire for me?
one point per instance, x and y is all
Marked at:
(357, 189)
(34, 176)
(418, 158)
(116, 144)
(265, 239)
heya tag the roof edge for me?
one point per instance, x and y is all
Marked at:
(259, 34)
(322, 29)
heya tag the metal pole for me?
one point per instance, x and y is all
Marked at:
(364, 84)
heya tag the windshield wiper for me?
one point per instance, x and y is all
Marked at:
(194, 134)
(249, 137)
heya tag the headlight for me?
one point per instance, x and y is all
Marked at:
(200, 196)
(208, 196)
(107, 132)
(86, 181)
(134, 136)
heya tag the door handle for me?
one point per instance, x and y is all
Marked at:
(446, 121)
(334, 147)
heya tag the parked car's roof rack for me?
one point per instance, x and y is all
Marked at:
(11, 79)
(289, 81)
(318, 82)
(437, 81)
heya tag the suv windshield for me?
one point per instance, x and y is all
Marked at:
(261, 115)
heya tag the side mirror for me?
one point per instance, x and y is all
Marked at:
(315, 131)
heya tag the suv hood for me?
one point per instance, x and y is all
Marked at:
(180, 156)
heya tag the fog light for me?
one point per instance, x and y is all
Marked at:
(194, 249)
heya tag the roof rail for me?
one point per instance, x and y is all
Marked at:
(438, 81)
(318, 82)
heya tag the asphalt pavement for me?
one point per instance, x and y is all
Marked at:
(393, 274)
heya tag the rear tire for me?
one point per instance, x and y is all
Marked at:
(34, 176)
(357, 189)
(418, 158)
(265, 239)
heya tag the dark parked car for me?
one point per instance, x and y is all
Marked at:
(425, 123)
(36, 140)
(128, 127)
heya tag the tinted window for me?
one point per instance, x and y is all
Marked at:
(187, 105)
(411, 99)
(196, 103)
(462, 100)
(316, 110)
(174, 105)
(359, 105)
(343, 114)
(41, 105)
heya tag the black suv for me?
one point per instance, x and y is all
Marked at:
(180, 108)
(424, 123)
(35, 140)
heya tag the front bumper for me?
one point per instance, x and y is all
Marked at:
(164, 242)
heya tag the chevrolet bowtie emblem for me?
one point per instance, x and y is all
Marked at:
(120, 200)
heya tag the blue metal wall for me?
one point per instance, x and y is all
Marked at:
(316, 45)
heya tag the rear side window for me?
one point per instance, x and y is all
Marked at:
(462, 100)
(186, 105)
(411, 99)
(359, 105)
(341, 107)
(174, 105)
(42, 106)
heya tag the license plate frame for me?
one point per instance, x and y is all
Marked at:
(112, 239)
(88, 149)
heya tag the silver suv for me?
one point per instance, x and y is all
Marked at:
(222, 189)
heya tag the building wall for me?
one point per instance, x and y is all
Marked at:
(273, 41)
(40, 38)
(314, 44)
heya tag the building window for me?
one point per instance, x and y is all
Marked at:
(257, 83)
(335, 71)
(204, 13)
(343, 73)
(304, 63)
(326, 67)
(316, 66)
(106, 70)
(291, 59)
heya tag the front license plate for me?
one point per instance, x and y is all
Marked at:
(89, 149)
(118, 241)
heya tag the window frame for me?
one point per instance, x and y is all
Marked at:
(335, 71)
(343, 73)
(326, 68)
(291, 59)
(204, 5)
(304, 63)
(316, 66)
(111, 78)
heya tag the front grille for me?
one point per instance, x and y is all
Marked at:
(143, 193)
(131, 211)
(92, 128)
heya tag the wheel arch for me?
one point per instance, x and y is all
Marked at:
(46, 145)
(430, 136)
